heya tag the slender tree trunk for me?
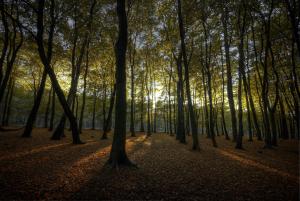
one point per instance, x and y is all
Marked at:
(11, 57)
(132, 109)
(46, 60)
(180, 134)
(250, 134)
(225, 20)
(84, 89)
(6, 122)
(108, 121)
(47, 109)
(205, 119)
(5, 38)
(241, 72)
(194, 126)
(33, 114)
(52, 111)
(265, 86)
(104, 107)
(76, 66)
(293, 13)
(223, 100)
(5, 107)
(284, 126)
(94, 109)
(148, 103)
(142, 129)
(253, 109)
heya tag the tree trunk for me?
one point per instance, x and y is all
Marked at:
(223, 100)
(169, 103)
(46, 60)
(76, 66)
(132, 98)
(6, 122)
(180, 134)
(265, 86)
(118, 154)
(5, 107)
(142, 129)
(11, 57)
(94, 109)
(108, 121)
(284, 126)
(37, 102)
(84, 89)
(229, 76)
(148, 103)
(47, 109)
(5, 39)
(194, 125)
(52, 111)
(293, 13)
(241, 72)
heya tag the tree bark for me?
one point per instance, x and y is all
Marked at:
(84, 89)
(225, 20)
(180, 134)
(108, 121)
(12, 87)
(37, 102)
(142, 128)
(5, 38)
(241, 72)
(194, 125)
(52, 111)
(118, 154)
(47, 109)
(46, 60)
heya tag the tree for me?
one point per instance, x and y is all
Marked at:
(187, 83)
(46, 60)
(225, 19)
(118, 154)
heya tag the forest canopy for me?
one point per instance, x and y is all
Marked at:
(202, 67)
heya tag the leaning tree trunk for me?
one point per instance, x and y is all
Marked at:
(118, 154)
(5, 105)
(11, 57)
(59, 131)
(37, 102)
(46, 60)
(6, 121)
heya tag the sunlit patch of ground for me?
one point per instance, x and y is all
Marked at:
(38, 168)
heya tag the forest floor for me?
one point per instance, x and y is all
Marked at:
(40, 169)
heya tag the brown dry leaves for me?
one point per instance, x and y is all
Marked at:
(41, 169)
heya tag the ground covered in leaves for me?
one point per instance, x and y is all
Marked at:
(40, 169)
